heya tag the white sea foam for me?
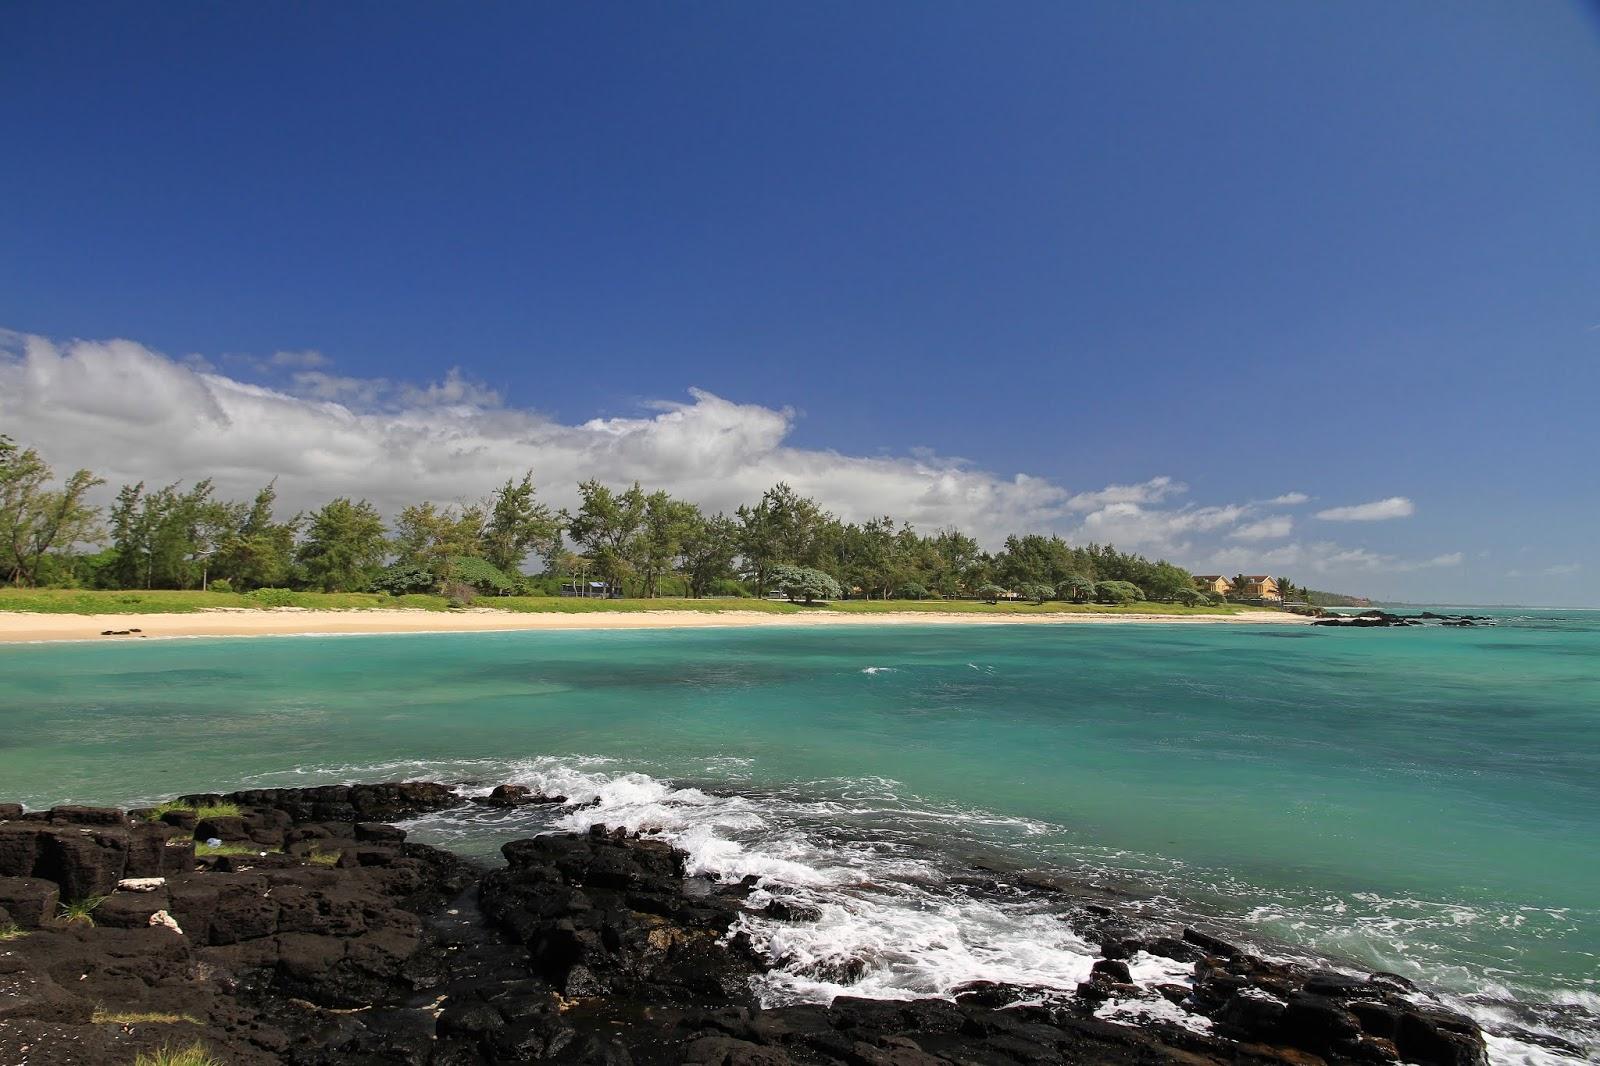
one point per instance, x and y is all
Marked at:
(893, 925)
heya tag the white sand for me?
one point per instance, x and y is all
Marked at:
(22, 626)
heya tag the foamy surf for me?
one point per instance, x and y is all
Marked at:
(895, 917)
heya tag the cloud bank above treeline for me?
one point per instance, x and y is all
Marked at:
(131, 414)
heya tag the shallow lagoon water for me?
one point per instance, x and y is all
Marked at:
(1422, 800)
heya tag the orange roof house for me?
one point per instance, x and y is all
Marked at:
(1213, 583)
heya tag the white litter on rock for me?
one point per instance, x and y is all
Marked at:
(162, 918)
(140, 884)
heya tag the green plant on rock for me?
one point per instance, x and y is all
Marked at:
(10, 931)
(202, 810)
(102, 1016)
(81, 910)
(202, 849)
(190, 1055)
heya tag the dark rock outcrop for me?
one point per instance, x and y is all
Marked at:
(352, 946)
(516, 796)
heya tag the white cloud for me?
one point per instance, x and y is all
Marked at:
(1320, 559)
(1153, 491)
(1270, 528)
(1376, 511)
(1448, 559)
(131, 414)
(1289, 499)
(306, 360)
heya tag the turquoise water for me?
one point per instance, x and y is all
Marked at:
(1421, 800)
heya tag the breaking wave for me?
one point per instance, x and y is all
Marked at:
(912, 898)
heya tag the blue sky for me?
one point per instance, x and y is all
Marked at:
(1349, 251)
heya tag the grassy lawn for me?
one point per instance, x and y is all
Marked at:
(76, 601)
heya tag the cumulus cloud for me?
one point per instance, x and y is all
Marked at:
(1132, 527)
(1376, 511)
(1289, 499)
(1272, 527)
(132, 414)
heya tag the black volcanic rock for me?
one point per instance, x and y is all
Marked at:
(352, 946)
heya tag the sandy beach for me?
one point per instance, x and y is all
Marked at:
(24, 627)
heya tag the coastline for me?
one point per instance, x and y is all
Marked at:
(28, 627)
(301, 924)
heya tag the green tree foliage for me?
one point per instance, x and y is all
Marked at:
(954, 562)
(805, 583)
(165, 538)
(1166, 582)
(667, 524)
(1075, 587)
(404, 579)
(1036, 591)
(429, 536)
(1190, 597)
(990, 593)
(344, 546)
(517, 524)
(709, 548)
(35, 519)
(1118, 592)
(482, 575)
(1034, 559)
(606, 526)
(784, 527)
(259, 551)
(172, 537)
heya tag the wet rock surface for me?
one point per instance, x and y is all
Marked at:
(1385, 620)
(317, 935)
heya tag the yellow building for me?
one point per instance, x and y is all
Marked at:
(1260, 587)
(1213, 583)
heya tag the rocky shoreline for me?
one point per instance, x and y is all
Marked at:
(299, 926)
(1383, 620)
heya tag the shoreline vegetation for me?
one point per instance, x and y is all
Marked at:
(28, 615)
(616, 544)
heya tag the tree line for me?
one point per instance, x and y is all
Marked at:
(641, 543)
